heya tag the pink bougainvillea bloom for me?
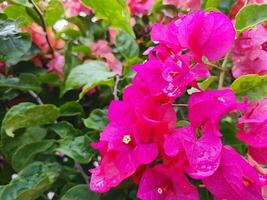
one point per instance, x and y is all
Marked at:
(74, 8)
(184, 4)
(234, 179)
(133, 135)
(38, 38)
(56, 65)
(162, 183)
(102, 49)
(140, 7)
(206, 34)
(220, 103)
(107, 175)
(253, 125)
(203, 154)
(169, 78)
(259, 154)
(250, 52)
(240, 4)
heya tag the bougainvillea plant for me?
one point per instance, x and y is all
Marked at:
(133, 99)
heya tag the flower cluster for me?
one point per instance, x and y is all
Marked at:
(141, 140)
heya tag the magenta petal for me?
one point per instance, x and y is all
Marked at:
(206, 34)
(258, 154)
(145, 153)
(172, 145)
(204, 155)
(107, 175)
(234, 179)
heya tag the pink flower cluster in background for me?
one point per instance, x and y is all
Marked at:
(74, 8)
(250, 52)
(141, 140)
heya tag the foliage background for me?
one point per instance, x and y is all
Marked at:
(50, 114)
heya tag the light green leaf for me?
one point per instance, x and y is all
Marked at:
(54, 12)
(18, 12)
(114, 11)
(25, 115)
(80, 192)
(31, 182)
(250, 16)
(88, 75)
(97, 120)
(25, 82)
(77, 148)
(212, 4)
(25, 154)
(127, 45)
(253, 86)
(71, 108)
(22, 2)
(13, 43)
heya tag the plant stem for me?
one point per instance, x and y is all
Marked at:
(180, 104)
(115, 89)
(222, 74)
(36, 97)
(39, 12)
(80, 169)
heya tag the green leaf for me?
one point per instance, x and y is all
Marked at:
(127, 45)
(114, 11)
(253, 86)
(54, 12)
(30, 135)
(50, 79)
(13, 43)
(80, 192)
(18, 12)
(25, 154)
(97, 120)
(64, 129)
(25, 82)
(31, 182)
(22, 2)
(77, 148)
(25, 115)
(212, 4)
(71, 108)
(250, 16)
(88, 75)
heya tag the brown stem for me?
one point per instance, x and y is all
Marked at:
(44, 26)
(222, 74)
(36, 97)
(80, 170)
(115, 89)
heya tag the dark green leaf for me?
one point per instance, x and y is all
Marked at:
(71, 108)
(25, 82)
(97, 120)
(30, 135)
(253, 86)
(64, 129)
(25, 115)
(31, 182)
(250, 16)
(127, 45)
(13, 43)
(77, 148)
(114, 11)
(80, 192)
(25, 154)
